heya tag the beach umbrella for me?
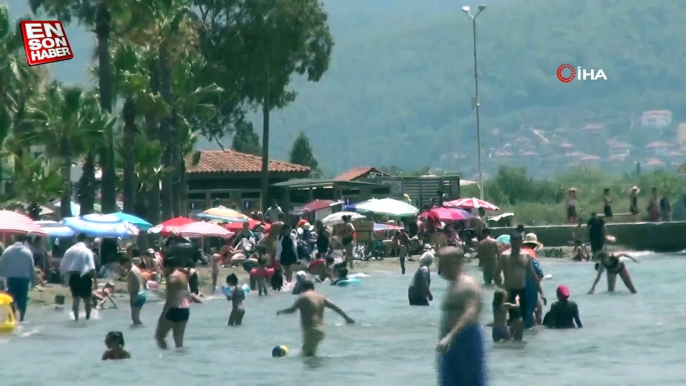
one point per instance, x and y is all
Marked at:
(337, 218)
(386, 227)
(238, 226)
(55, 229)
(224, 214)
(171, 226)
(101, 225)
(387, 207)
(17, 223)
(137, 221)
(204, 229)
(471, 203)
(447, 214)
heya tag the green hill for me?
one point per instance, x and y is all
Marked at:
(400, 84)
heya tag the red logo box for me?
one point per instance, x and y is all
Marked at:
(45, 42)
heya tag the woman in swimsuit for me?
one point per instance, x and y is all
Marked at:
(176, 311)
(613, 266)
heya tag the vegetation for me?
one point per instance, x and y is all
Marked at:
(301, 153)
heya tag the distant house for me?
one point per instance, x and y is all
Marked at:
(656, 119)
(618, 148)
(593, 128)
(654, 163)
(360, 173)
(659, 148)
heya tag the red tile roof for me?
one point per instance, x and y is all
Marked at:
(230, 161)
(356, 173)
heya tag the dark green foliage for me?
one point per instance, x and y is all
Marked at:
(301, 152)
(245, 140)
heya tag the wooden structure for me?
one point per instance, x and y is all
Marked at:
(357, 174)
(422, 190)
(233, 179)
(307, 190)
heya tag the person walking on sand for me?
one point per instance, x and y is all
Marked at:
(18, 269)
(347, 238)
(78, 264)
(311, 306)
(134, 286)
(515, 263)
(461, 357)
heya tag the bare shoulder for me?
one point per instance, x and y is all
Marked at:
(469, 284)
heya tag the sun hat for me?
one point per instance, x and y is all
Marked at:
(635, 189)
(532, 239)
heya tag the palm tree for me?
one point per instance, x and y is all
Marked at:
(36, 181)
(96, 14)
(65, 120)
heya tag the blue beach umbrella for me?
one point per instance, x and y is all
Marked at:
(137, 221)
(504, 239)
(55, 229)
(101, 225)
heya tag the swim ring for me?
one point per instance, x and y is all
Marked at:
(7, 322)
(347, 282)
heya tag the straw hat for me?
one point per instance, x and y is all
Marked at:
(635, 189)
(532, 239)
(572, 190)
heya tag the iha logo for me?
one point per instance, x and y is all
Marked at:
(45, 42)
(567, 73)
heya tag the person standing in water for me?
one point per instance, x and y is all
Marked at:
(323, 238)
(347, 239)
(78, 264)
(515, 264)
(461, 357)
(176, 310)
(135, 281)
(487, 251)
(289, 255)
(18, 269)
(311, 306)
(614, 266)
(564, 313)
(419, 293)
(597, 231)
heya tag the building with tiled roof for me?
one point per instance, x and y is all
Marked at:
(360, 173)
(233, 179)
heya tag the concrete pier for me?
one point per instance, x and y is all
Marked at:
(645, 236)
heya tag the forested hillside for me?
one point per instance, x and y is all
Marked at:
(400, 82)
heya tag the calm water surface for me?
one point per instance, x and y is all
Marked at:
(626, 340)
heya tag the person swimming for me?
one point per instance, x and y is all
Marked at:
(614, 266)
(564, 313)
(114, 340)
(342, 276)
(236, 299)
(501, 307)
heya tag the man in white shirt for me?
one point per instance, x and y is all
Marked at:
(272, 214)
(78, 264)
(17, 267)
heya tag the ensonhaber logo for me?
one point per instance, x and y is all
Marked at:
(45, 42)
(567, 73)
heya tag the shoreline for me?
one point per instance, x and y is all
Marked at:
(44, 296)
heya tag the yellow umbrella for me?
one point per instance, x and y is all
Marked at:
(222, 213)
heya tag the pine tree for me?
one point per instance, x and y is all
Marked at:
(301, 152)
(246, 141)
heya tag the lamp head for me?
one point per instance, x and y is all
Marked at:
(481, 8)
(465, 9)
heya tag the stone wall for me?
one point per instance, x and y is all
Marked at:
(658, 237)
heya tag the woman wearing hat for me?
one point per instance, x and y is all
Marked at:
(532, 300)
(419, 293)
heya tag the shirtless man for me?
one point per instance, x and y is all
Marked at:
(461, 358)
(515, 263)
(347, 240)
(487, 251)
(311, 306)
(176, 311)
(135, 282)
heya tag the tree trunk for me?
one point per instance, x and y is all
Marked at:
(65, 198)
(129, 142)
(177, 158)
(183, 188)
(167, 136)
(108, 186)
(87, 185)
(265, 155)
(152, 133)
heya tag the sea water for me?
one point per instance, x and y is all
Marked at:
(626, 340)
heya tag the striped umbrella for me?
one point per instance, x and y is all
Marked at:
(204, 229)
(224, 214)
(471, 203)
(17, 223)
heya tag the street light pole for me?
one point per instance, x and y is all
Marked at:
(476, 96)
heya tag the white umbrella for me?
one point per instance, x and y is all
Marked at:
(204, 229)
(387, 207)
(337, 218)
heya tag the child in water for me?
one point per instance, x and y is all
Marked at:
(236, 299)
(101, 296)
(564, 313)
(115, 347)
(261, 274)
(501, 332)
(341, 276)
